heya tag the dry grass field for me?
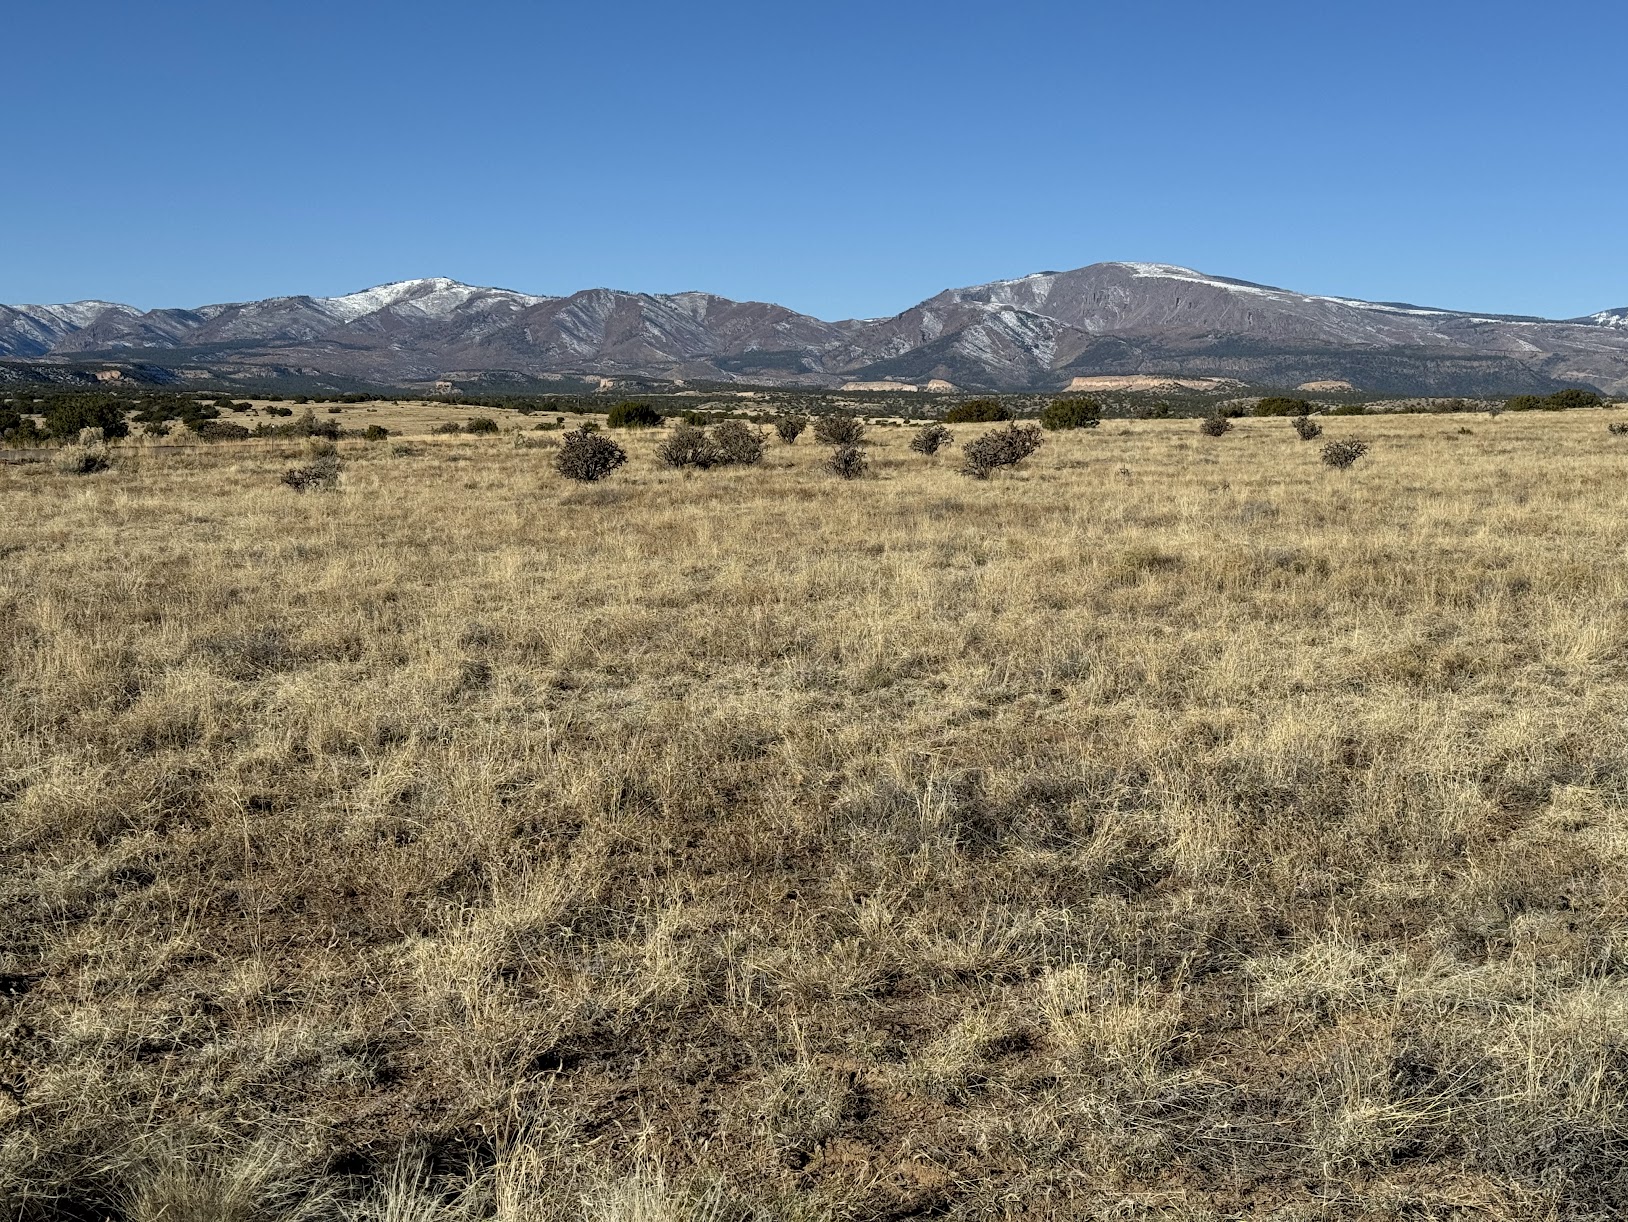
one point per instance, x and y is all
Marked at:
(1171, 828)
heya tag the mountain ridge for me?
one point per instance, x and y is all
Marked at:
(1033, 332)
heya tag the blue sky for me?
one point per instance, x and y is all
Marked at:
(845, 159)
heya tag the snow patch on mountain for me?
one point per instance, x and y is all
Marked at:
(432, 298)
(75, 314)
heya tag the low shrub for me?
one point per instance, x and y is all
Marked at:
(838, 429)
(736, 443)
(320, 476)
(375, 432)
(1071, 414)
(279, 411)
(931, 438)
(633, 416)
(1215, 424)
(479, 425)
(218, 430)
(83, 459)
(847, 462)
(978, 411)
(1341, 455)
(790, 428)
(687, 446)
(1618, 429)
(1307, 428)
(588, 456)
(999, 448)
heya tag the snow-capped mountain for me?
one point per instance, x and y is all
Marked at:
(1034, 332)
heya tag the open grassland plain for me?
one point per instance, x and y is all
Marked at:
(1170, 827)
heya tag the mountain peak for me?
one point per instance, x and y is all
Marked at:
(430, 297)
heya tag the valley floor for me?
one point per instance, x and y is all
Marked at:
(1171, 828)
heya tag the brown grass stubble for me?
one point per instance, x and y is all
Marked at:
(1172, 827)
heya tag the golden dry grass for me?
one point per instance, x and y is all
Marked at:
(1173, 828)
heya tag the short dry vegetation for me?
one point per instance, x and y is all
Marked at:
(1166, 830)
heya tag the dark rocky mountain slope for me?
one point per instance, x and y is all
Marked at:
(1033, 333)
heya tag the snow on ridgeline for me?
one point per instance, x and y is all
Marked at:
(434, 297)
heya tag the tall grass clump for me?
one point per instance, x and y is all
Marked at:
(320, 475)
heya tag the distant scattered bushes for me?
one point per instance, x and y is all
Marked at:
(1348, 409)
(587, 455)
(1071, 414)
(279, 411)
(1215, 424)
(1562, 400)
(978, 411)
(633, 416)
(218, 430)
(790, 428)
(67, 417)
(931, 438)
(999, 448)
(1342, 455)
(474, 426)
(1278, 405)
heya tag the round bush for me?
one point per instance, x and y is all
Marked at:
(1071, 414)
(978, 411)
(838, 429)
(1341, 455)
(999, 448)
(931, 438)
(633, 416)
(588, 456)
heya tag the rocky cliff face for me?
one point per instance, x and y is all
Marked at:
(1038, 332)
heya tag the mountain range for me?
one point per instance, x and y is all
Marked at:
(1037, 332)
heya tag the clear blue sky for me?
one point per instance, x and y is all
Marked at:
(846, 159)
